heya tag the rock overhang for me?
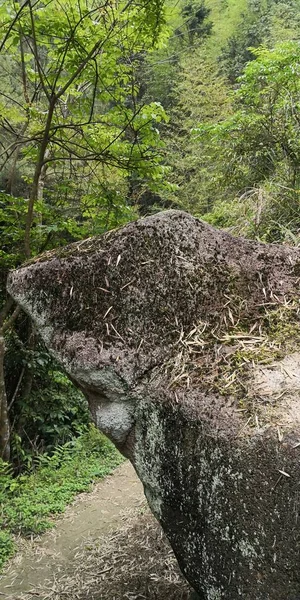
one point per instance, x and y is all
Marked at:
(154, 299)
(173, 330)
(144, 283)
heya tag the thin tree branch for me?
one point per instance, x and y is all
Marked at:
(35, 185)
(16, 390)
(36, 54)
(11, 99)
(6, 310)
(15, 20)
(7, 325)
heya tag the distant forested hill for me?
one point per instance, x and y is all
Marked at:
(229, 79)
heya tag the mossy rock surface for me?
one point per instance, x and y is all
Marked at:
(186, 343)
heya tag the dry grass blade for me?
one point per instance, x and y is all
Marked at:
(135, 563)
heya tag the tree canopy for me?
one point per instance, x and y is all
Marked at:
(72, 128)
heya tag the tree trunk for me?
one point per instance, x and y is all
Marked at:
(4, 420)
(28, 376)
(36, 189)
(12, 173)
(42, 178)
(5, 323)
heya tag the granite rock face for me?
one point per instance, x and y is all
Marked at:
(186, 342)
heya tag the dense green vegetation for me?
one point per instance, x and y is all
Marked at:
(232, 136)
(107, 112)
(28, 500)
(73, 136)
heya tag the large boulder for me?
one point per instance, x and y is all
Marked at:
(186, 343)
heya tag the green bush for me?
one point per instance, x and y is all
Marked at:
(7, 547)
(52, 413)
(28, 500)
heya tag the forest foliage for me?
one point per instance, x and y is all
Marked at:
(28, 501)
(73, 134)
(111, 110)
(233, 131)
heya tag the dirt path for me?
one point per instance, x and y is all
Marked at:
(106, 546)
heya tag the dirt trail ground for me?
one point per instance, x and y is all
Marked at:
(107, 546)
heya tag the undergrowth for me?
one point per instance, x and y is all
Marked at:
(29, 501)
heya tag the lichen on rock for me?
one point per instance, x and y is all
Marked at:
(185, 341)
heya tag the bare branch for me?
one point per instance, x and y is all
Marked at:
(7, 325)
(23, 69)
(11, 99)
(6, 310)
(15, 20)
(36, 54)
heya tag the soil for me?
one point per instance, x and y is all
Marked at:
(107, 546)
